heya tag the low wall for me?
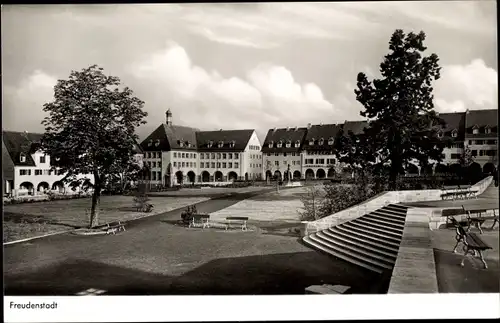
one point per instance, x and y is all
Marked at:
(415, 268)
(482, 185)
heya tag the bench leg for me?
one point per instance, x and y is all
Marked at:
(482, 259)
(494, 222)
(456, 245)
(479, 227)
(462, 264)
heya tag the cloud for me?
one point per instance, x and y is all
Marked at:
(472, 86)
(266, 97)
(28, 98)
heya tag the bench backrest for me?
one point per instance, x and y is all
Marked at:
(201, 216)
(242, 218)
(460, 229)
(453, 212)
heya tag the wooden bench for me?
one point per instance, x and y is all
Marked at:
(480, 216)
(239, 220)
(458, 192)
(473, 244)
(200, 219)
(114, 227)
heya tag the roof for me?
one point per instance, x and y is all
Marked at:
(21, 142)
(317, 132)
(284, 135)
(482, 118)
(226, 137)
(355, 126)
(454, 121)
(170, 137)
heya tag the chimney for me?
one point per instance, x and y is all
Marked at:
(296, 128)
(467, 111)
(274, 129)
(308, 126)
(287, 128)
(168, 117)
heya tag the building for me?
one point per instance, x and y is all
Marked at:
(27, 170)
(481, 137)
(317, 151)
(281, 153)
(179, 154)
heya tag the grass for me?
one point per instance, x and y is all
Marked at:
(33, 219)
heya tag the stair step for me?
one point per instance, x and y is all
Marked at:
(369, 233)
(395, 209)
(373, 241)
(361, 257)
(390, 256)
(382, 219)
(318, 245)
(398, 214)
(373, 228)
(387, 215)
(381, 226)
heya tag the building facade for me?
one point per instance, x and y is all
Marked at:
(481, 137)
(179, 154)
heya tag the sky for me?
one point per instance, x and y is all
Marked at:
(242, 66)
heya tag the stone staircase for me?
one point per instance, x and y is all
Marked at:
(370, 241)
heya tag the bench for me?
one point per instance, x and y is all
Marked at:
(479, 218)
(114, 227)
(473, 244)
(239, 220)
(199, 219)
(458, 193)
(144, 207)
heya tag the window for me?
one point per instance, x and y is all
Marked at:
(183, 155)
(309, 161)
(202, 156)
(221, 144)
(482, 152)
(321, 141)
(475, 130)
(22, 158)
(175, 164)
(284, 162)
(202, 164)
(280, 144)
(276, 163)
(210, 144)
(229, 165)
(330, 141)
(487, 129)
(175, 155)
(320, 161)
(213, 164)
(38, 172)
(230, 155)
(271, 144)
(297, 144)
(454, 133)
(223, 165)
(150, 142)
(491, 152)
(269, 154)
(473, 152)
(231, 144)
(236, 165)
(470, 142)
(311, 142)
(218, 164)
(213, 155)
(479, 142)
(236, 156)
(224, 155)
(440, 134)
(288, 144)
(157, 143)
(153, 176)
(491, 142)
(218, 156)
(154, 164)
(276, 154)
(284, 154)
(42, 159)
(158, 175)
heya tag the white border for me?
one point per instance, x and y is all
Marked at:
(254, 308)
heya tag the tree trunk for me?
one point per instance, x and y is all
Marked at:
(96, 196)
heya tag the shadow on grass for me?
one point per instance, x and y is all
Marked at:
(33, 219)
(472, 278)
(275, 274)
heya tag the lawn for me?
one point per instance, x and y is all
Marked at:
(33, 219)
(209, 191)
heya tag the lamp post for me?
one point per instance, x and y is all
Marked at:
(288, 174)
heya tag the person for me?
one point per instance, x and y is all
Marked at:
(495, 178)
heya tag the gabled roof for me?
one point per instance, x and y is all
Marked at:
(170, 137)
(454, 121)
(21, 142)
(482, 118)
(318, 132)
(355, 126)
(239, 137)
(284, 135)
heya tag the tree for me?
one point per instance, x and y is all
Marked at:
(466, 158)
(90, 129)
(403, 126)
(313, 201)
(268, 169)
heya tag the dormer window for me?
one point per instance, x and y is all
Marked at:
(454, 133)
(280, 144)
(221, 144)
(321, 141)
(210, 144)
(22, 158)
(440, 134)
(150, 142)
(311, 142)
(487, 129)
(330, 141)
(181, 143)
(232, 143)
(475, 130)
(157, 143)
(297, 144)
(271, 144)
(288, 144)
